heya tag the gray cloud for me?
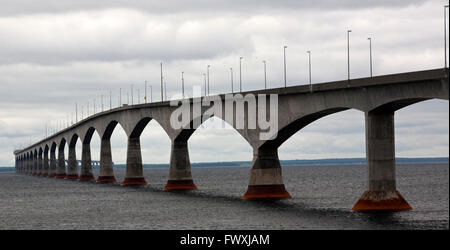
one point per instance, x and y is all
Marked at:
(24, 7)
(56, 53)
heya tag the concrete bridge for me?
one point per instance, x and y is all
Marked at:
(378, 97)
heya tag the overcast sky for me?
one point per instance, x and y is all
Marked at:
(56, 53)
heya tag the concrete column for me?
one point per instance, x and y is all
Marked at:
(180, 177)
(266, 181)
(46, 166)
(381, 193)
(40, 171)
(61, 167)
(106, 172)
(72, 169)
(134, 172)
(86, 173)
(35, 166)
(52, 168)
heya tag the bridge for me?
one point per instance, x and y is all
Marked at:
(378, 97)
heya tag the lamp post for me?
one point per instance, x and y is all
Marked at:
(204, 77)
(132, 99)
(120, 97)
(265, 74)
(182, 84)
(445, 36)
(110, 99)
(309, 64)
(348, 55)
(284, 54)
(162, 97)
(231, 78)
(240, 74)
(76, 112)
(207, 76)
(370, 54)
(145, 91)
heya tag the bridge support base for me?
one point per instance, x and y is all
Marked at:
(265, 176)
(106, 171)
(136, 181)
(71, 177)
(106, 179)
(381, 191)
(381, 200)
(86, 173)
(134, 175)
(180, 177)
(86, 178)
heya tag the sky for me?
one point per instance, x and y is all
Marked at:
(54, 54)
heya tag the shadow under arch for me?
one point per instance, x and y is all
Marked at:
(197, 122)
(154, 133)
(287, 131)
(106, 169)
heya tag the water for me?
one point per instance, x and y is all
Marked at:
(322, 199)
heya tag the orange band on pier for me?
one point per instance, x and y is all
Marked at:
(275, 191)
(180, 185)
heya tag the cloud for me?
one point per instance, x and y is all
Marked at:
(23, 7)
(56, 54)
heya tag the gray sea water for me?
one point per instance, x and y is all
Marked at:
(322, 199)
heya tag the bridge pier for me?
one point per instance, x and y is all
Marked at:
(266, 180)
(35, 166)
(381, 193)
(134, 173)
(61, 167)
(45, 167)
(52, 168)
(106, 171)
(180, 177)
(40, 163)
(71, 172)
(86, 173)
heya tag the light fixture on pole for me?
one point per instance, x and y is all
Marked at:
(445, 36)
(207, 76)
(182, 84)
(348, 55)
(265, 74)
(240, 73)
(204, 77)
(284, 53)
(145, 91)
(162, 97)
(309, 64)
(231, 77)
(370, 54)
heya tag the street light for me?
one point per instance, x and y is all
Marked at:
(445, 36)
(182, 83)
(162, 97)
(207, 76)
(132, 99)
(284, 53)
(120, 97)
(145, 91)
(76, 112)
(204, 77)
(231, 77)
(370, 54)
(309, 63)
(265, 75)
(348, 54)
(240, 73)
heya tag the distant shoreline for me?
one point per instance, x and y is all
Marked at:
(319, 162)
